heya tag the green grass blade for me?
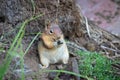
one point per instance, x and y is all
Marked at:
(31, 43)
(4, 67)
(29, 46)
(68, 72)
(22, 64)
(33, 5)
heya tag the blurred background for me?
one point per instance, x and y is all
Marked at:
(104, 13)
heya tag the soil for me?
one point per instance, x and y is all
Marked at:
(72, 23)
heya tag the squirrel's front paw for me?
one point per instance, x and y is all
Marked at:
(42, 67)
(65, 61)
(57, 43)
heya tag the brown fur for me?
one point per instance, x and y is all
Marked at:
(52, 47)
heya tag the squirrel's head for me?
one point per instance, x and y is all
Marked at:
(53, 30)
(52, 34)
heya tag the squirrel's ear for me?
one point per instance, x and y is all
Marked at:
(47, 24)
(56, 21)
(46, 27)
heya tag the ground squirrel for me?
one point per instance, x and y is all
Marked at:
(52, 47)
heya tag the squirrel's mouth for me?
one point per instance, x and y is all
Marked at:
(59, 42)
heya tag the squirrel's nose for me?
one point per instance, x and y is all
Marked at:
(59, 42)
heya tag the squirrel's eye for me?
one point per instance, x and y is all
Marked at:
(51, 31)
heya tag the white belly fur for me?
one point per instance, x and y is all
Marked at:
(57, 55)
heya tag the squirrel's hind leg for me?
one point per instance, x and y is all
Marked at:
(65, 60)
(44, 62)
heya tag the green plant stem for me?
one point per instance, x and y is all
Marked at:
(4, 67)
(31, 43)
(22, 64)
(29, 46)
(33, 5)
(68, 72)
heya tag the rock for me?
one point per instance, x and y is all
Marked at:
(52, 75)
(75, 68)
(90, 47)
